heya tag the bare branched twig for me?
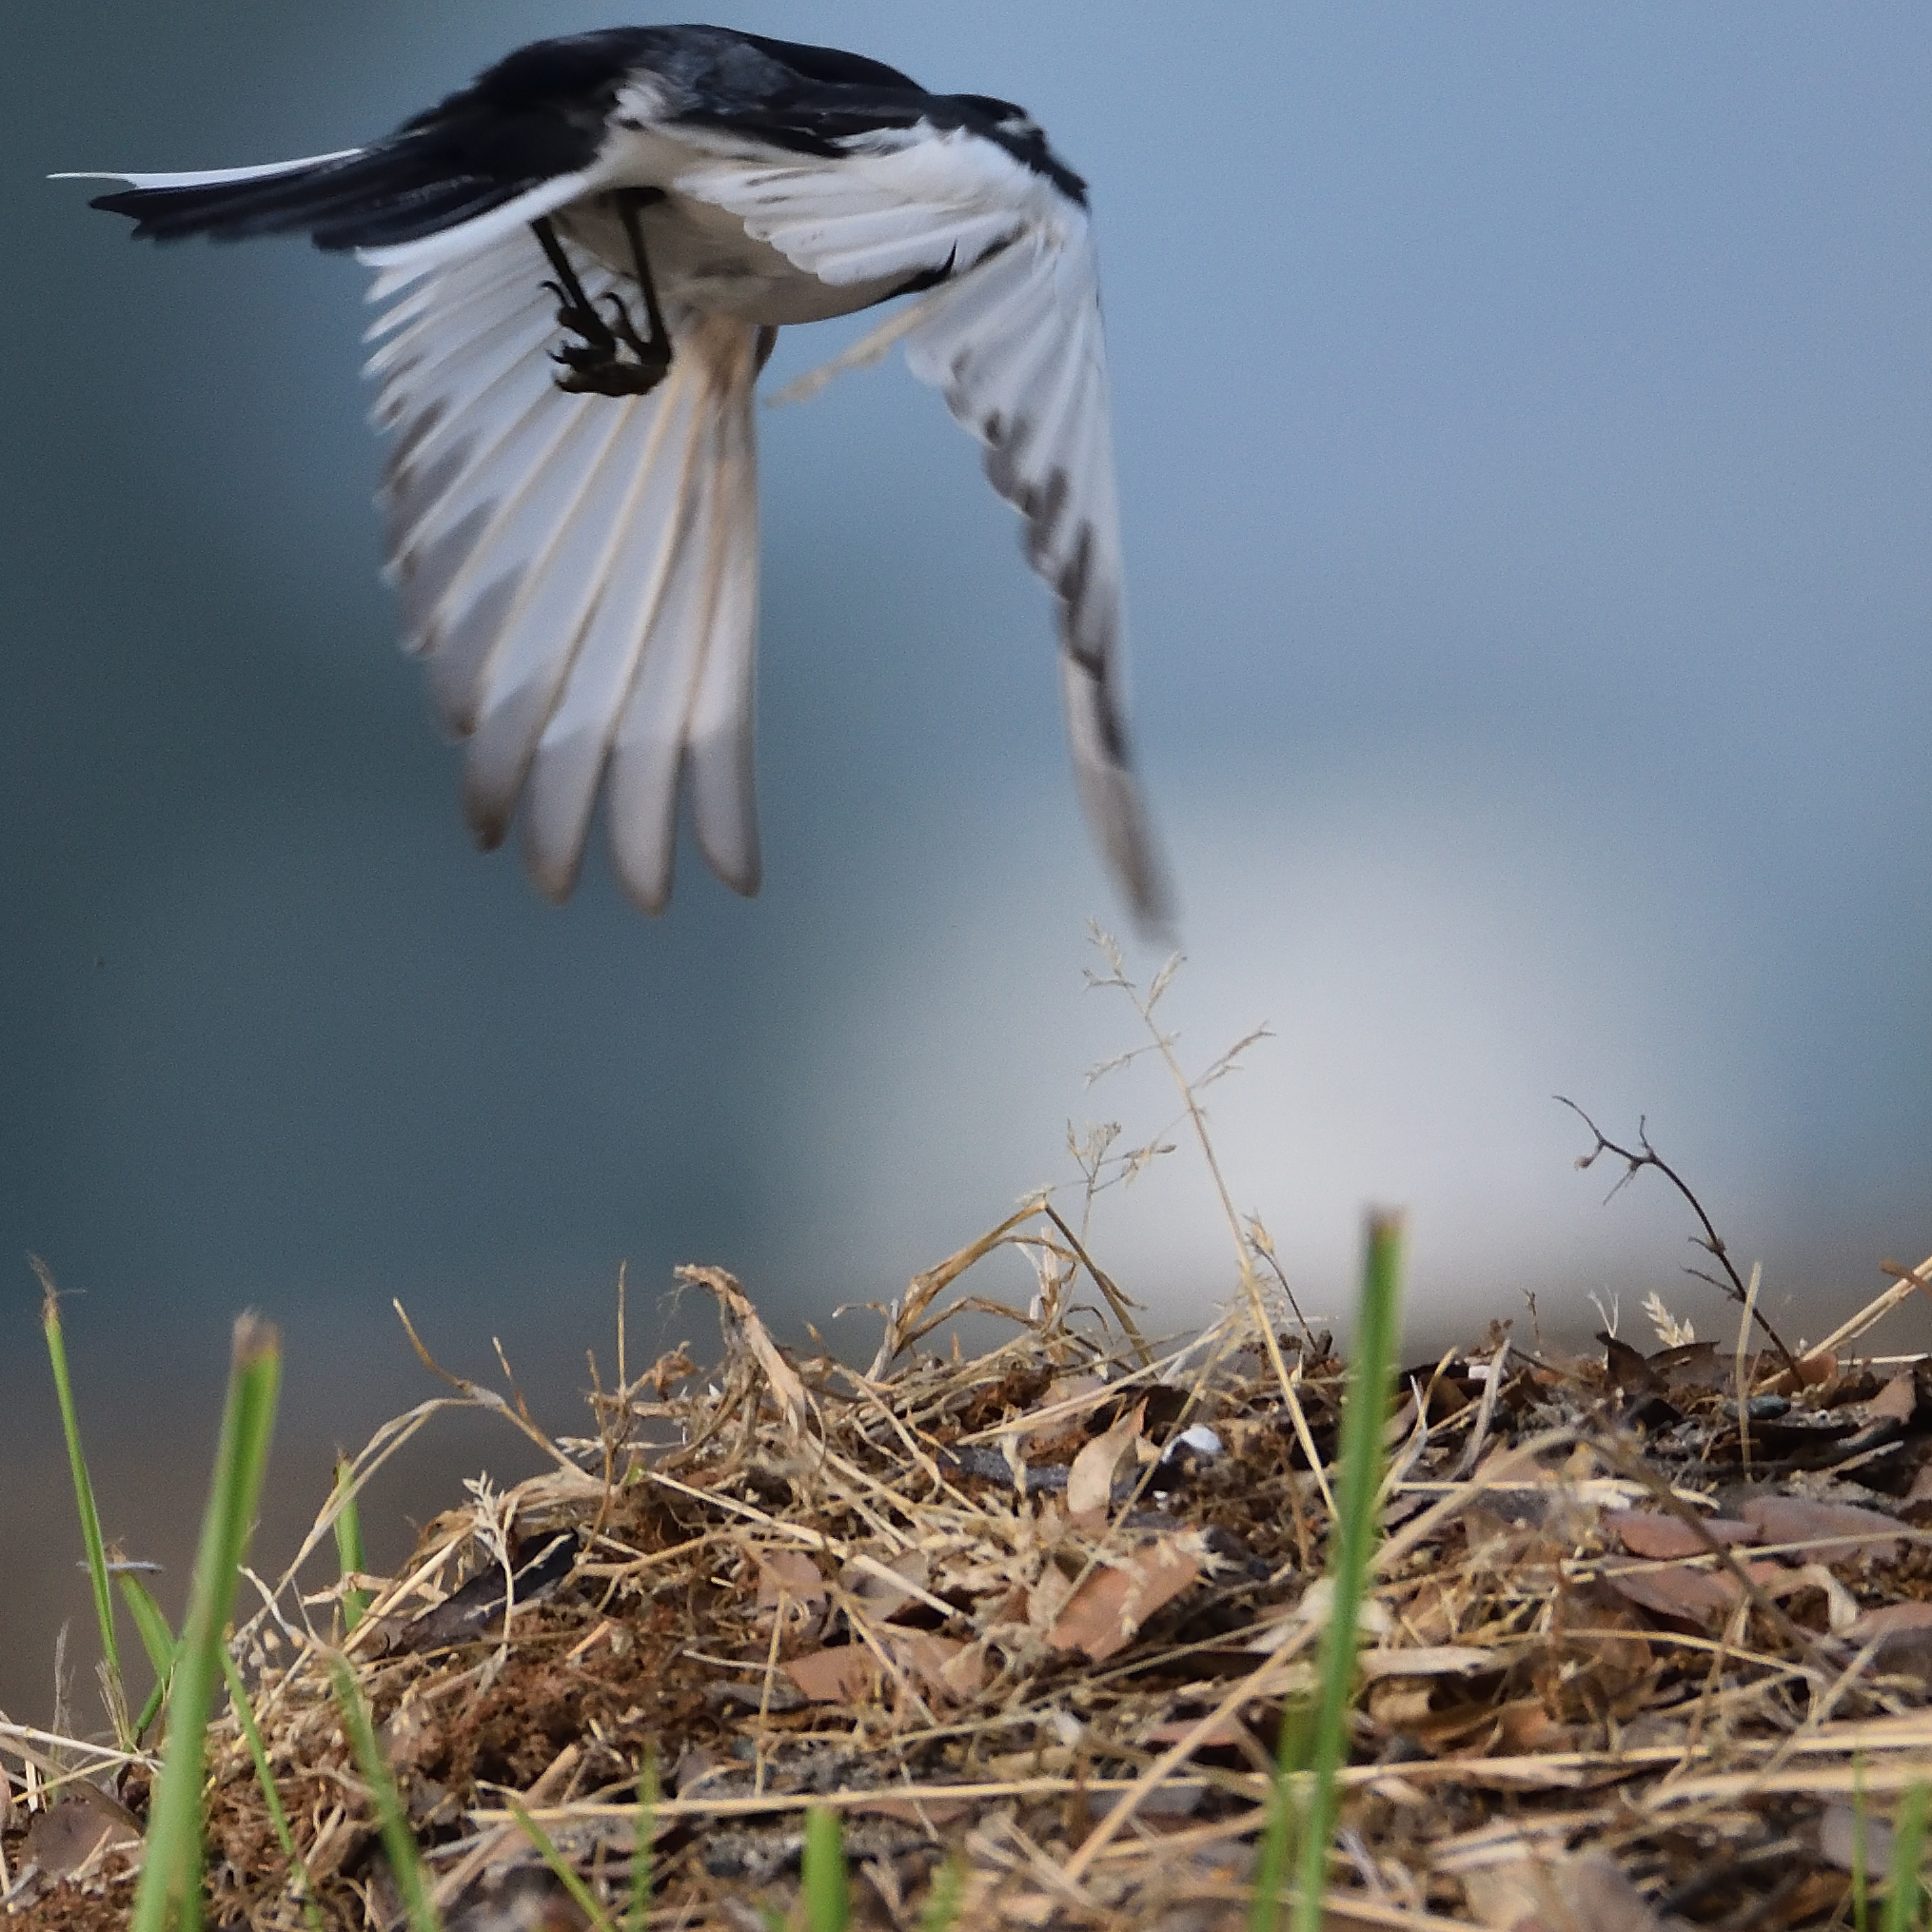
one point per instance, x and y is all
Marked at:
(1710, 1240)
(1167, 1046)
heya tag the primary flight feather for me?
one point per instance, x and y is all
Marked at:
(584, 258)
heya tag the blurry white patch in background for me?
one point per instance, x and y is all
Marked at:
(1434, 966)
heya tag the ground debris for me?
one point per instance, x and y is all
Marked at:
(1649, 1646)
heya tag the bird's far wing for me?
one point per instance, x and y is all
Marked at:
(897, 201)
(1016, 348)
(1014, 344)
(578, 571)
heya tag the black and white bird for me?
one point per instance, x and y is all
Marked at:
(583, 260)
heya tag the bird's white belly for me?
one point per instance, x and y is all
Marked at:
(701, 256)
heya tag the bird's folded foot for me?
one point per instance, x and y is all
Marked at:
(607, 358)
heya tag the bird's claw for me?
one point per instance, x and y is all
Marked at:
(593, 365)
(591, 371)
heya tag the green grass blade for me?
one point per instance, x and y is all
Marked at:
(156, 1639)
(150, 1621)
(1861, 1878)
(1277, 1838)
(1364, 1421)
(151, 1709)
(639, 1910)
(349, 1542)
(171, 1867)
(566, 1872)
(1323, 1745)
(1908, 1852)
(278, 1816)
(406, 1861)
(84, 1498)
(828, 1900)
(946, 1897)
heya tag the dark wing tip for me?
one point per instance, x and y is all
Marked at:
(1119, 811)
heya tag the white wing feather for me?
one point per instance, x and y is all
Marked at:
(580, 572)
(893, 203)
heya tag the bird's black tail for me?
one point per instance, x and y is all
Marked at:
(368, 198)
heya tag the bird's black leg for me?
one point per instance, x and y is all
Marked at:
(596, 363)
(574, 311)
(628, 203)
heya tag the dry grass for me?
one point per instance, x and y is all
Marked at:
(1648, 1643)
(1616, 1675)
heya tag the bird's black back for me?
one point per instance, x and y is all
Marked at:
(544, 111)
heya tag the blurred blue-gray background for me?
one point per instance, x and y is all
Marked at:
(1525, 429)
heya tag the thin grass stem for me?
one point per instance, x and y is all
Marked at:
(406, 1859)
(639, 1910)
(156, 1639)
(84, 1500)
(150, 1621)
(566, 1872)
(278, 1816)
(348, 1540)
(1321, 1746)
(1908, 1851)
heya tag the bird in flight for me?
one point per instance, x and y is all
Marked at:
(583, 260)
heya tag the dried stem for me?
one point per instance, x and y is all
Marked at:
(1710, 1240)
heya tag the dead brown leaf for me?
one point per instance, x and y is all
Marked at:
(843, 1675)
(1584, 1894)
(947, 1667)
(1695, 1595)
(1090, 1482)
(1104, 1614)
(881, 1594)
(1651, 1533)
(789, 1578)
(1849, 1832)
(67, 1837)
(1834, 1530)
(1898, 1400)
(1888, 1620)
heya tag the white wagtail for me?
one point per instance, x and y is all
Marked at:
(573, 522)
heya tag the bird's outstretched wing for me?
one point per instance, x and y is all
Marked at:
(1014, 342)
(580, 572)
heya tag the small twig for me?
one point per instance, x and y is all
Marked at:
(1710, 1240)
(1486, 1412)
(484, 1397)
(1263, 1244)
(1115, 1300)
